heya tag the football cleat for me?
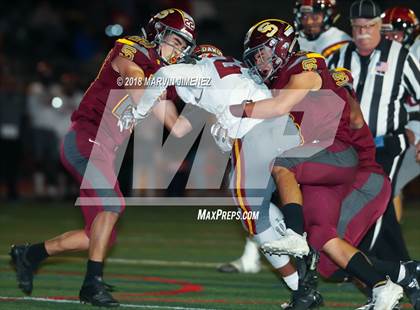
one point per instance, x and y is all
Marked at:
(97, 294)
(410, 282)
(306, 267)
(370, 306)
(387, 296)
(24, 269)
(304, 298)
(291, 243)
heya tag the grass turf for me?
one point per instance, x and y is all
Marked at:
(164, 259)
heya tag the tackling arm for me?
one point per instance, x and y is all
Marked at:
(164, 110)
(128, 69)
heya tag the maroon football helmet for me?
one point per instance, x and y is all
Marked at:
(268, 46)
(172, 21)
(207, 50)
(327, 7)
(400, 19)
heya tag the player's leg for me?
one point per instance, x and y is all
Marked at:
(360, 209)
(346, 256)
(264, 229)
(102, 203)
(334, 166)
(28, 257)
(248, 262)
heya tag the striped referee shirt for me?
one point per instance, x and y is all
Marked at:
(382, 81)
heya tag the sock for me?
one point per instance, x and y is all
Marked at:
(292, 281)
(360, 267)
(251, 252)
(36, 253)
(94, 269)
(293, 216)
(387, 268)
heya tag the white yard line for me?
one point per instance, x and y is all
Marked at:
(68, 301)
(125, 261)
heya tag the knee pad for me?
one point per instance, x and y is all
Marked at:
(274, 232)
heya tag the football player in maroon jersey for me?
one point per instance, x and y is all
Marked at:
(89, 149)
(271, 52)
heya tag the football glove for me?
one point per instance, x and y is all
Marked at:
(220, 136)
(129, 119)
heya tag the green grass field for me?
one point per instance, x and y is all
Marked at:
(164, 259)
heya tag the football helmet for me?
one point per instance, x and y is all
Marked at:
(400, 19)
(327, 7)
(172, 21)
(268, 46)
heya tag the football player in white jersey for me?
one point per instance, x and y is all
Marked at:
(314, 20)
(232, 83)
(401, 24)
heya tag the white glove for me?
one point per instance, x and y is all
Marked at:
(129, 119)
(220, 136)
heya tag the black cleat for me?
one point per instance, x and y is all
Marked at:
(97, 294)
(306, 266)
(228, 268)
(304, 298)
(24, 269)
(410, 283)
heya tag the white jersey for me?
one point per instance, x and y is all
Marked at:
(327, 43)
(224, 82)
(415, 48)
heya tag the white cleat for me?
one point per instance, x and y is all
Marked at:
(387, 296)
(291, 243)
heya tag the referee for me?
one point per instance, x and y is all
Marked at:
(384, 73)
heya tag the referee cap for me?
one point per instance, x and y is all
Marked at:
(364, 9)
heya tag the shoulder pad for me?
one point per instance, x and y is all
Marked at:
(342, 77)
(306, 61)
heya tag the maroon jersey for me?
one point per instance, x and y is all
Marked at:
(363, 143)
(101, 106)
(319, 108)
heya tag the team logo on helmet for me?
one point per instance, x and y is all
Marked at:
(268, 46)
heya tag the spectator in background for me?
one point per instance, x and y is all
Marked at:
(43, 119)
(66, 98)
(12, 109)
